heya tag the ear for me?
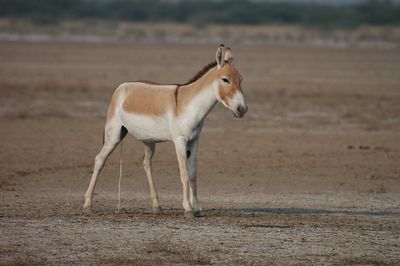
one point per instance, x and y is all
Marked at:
(220, 56)
(228, 55)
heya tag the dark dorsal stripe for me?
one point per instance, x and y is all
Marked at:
(148, 82)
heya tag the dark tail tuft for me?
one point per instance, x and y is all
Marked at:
(123, 133)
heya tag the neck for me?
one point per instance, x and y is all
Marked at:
(197, 99)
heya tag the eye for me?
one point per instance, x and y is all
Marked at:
(225, 80)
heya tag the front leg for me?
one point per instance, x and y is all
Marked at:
(181, 148)
(191, 155)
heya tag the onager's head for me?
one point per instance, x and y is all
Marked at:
(229, 91)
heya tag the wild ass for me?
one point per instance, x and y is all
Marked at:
(156, 113)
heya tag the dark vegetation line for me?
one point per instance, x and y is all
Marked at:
(200, 13)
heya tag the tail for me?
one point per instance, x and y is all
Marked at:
(120, 177)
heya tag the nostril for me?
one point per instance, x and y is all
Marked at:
(242, 109)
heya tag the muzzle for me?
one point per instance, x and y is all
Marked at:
(240, 111)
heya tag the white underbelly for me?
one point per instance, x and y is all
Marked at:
(143, 127)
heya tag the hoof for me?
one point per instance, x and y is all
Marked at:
(199, 213)
(156, 210)
(121, 211)
(189, 214)
(88, 210)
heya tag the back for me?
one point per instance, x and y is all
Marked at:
(147, 99)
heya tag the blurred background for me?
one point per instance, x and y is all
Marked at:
(333, 22)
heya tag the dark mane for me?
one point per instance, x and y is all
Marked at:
(193, 79)
(200, 73)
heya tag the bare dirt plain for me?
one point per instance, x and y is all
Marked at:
(310, 176)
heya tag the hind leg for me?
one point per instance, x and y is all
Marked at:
(149, 149)
(114, 133)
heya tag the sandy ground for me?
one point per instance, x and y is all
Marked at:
(309, 176)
